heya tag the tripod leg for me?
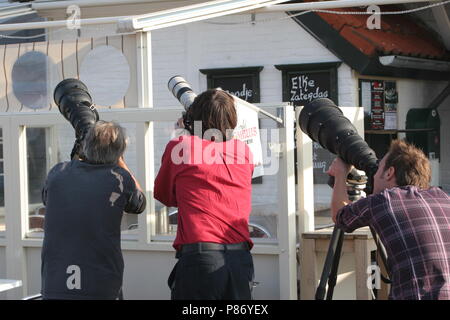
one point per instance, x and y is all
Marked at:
(329, 261)
(332, 279)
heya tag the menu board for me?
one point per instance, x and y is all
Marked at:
(303, 84)
(240, 82)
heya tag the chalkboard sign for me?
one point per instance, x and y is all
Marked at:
(303, 83)
(241, 82)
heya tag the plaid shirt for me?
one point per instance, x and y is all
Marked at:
(414, 227)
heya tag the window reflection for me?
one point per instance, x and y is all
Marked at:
(37, 171)
(42, 156)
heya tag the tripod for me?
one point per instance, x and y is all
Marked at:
(330, 269)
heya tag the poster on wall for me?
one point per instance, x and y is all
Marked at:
(379, 99)
(303, 83)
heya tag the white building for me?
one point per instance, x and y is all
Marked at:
(266, 57)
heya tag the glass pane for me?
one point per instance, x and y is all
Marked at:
(264, 215)
(322, 159)
(129, 220)
(166, 218)
(265, 206)
(48, 146)
(2, 186)
(37, 170)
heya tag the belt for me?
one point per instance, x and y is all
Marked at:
(210, 246)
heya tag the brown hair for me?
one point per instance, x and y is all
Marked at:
(411, 165)
(215, 109)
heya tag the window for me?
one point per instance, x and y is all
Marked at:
(265, 207)
(51, 145)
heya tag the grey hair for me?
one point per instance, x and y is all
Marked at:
(104, 143)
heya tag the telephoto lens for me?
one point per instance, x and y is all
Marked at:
(75, 104)
(181, 89)
(325, 123)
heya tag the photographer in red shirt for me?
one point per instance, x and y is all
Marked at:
(207, 175)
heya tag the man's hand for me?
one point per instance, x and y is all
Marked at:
(339, 168)
(180, 124)
(121, 163)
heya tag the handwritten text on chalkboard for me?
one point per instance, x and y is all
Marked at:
(245, 93)
(303, 88)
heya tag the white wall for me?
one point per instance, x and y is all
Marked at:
(419, 94)
(145, 274)
(415, 94)
(186, 49)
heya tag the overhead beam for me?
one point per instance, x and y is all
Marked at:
(187, 14)
(334, 5)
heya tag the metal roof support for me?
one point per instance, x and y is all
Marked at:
(198, 12)
(187, 14)
(335, 4)
(437, 102)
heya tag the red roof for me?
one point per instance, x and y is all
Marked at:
(399, 34)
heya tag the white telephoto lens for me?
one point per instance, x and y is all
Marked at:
(182, 91)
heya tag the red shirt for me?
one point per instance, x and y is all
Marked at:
(210, 183)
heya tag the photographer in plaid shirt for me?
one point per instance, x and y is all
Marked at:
(411, 219)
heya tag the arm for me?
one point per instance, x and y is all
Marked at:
(339, 170)
(164, 189)
(121, 163)
(347, 215)
(137, 201)
(50, 175)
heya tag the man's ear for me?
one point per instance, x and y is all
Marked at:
(390, 174)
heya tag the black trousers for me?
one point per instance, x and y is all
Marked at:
(213, 275)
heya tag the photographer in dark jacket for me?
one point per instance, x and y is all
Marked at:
(85, 200)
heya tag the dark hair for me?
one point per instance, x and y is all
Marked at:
(215, 109)
(411, 165)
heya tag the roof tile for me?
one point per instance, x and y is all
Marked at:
(399, 34)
